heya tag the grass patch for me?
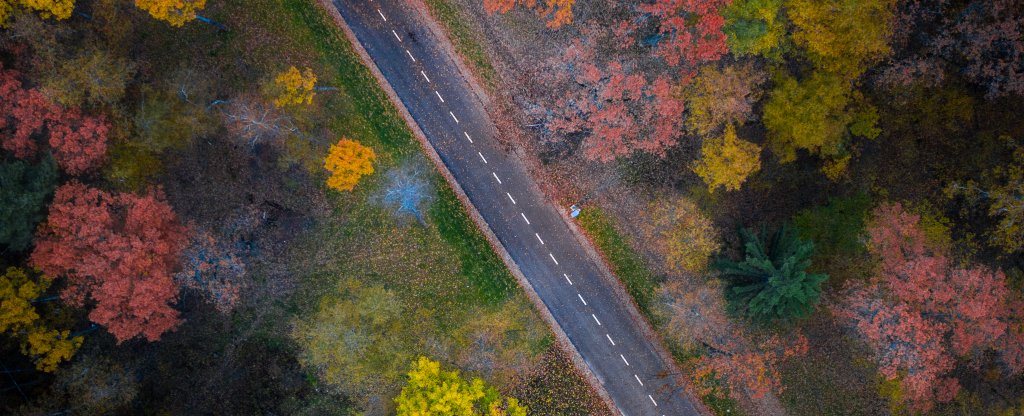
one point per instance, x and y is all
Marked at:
(640, 281)
(480, 264)
(464, 39)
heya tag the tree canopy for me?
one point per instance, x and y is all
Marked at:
(433, 391)
(348, 161)
(118, 250)
(771, 283)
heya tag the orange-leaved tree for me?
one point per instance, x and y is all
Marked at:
(119, 251)
(348, 160)
(557, 12)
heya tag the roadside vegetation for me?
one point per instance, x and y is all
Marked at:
(243, 183)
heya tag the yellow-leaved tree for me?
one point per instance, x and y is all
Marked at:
(57, 9)
(348, 161)
(433, 391)
(174, 12)
(727, 161)
(19, 318)
(294, 87)
(682, 234)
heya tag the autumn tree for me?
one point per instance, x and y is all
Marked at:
(349, 342)
(57, 9)
(27, 117)
(433, 391)
(719, 97)
(682, 234)
(842, 37)
(211, 267)
(922, 311)
(748, 365)
(294, 87)
(556, 12)
(771, 283)
(820, 115)
(118, 251)
(19, 317)
(24, 191)
(174, 12)
(348, 160)
(1002, 190)
(727, 161)
(93, 76)
(621, 104)
(755, 27)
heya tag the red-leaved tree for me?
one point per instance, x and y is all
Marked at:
(622, 102)
(27, 117)
(117, 250)
(921, 311)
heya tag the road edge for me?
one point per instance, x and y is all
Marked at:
(492, 239)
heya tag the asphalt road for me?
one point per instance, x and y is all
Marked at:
(568, 281)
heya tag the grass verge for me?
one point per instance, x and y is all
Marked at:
(464, 39)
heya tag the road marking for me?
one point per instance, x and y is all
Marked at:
(581, 299)
(638, 379)
(652, 400)
(439, 96)
(524, 217)
(595, 319)
(482, 157)
(624, 359)
(396, 35)
(567, 279)
(496, 177)
(610, 339)
(539, 239)
(510, 198)
(410, 55)
(425, 76)
(553, 258)
(382, 15)
(454, 118)
(467, 137)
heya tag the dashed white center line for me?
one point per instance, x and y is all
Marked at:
(410, 55)
(581, 299)
(610, 339)
(553, 258)
(396, 35)
(382, 15)
(638, 379)
(652, 400)
(624, 359)
(454, 118)
(467, 137)
(482, 157)
(496, 177)
(539, 239)
(510, 198)
(567, 279)
(439, 96)
(595, 319)
(524, 218)
(425, 76)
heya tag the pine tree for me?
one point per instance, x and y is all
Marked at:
(770, 284)
(24, 190)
